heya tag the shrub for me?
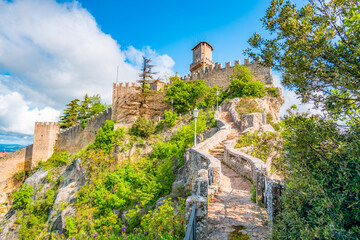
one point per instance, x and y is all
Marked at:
(242, 83)
(170, 118)
(56, 160)
(166, 220)
(22, 197)
(263, 143)
(273, 91)
(107, 137)
(143, 128)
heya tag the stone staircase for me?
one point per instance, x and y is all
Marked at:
(231, 213)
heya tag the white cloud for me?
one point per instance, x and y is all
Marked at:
(163, 64)
(54, 53)
(17, 116)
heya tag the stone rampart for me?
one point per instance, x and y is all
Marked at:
(203, 176)
(75, 138)
(45, 136)
(11, 164)
(127, 104)
(218, 75)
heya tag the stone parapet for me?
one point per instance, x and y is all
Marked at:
(254, 169)
(203, 176)
(216, 74)
(75, 138)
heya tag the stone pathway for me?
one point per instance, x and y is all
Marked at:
(231, 212)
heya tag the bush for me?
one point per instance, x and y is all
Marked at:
(273, 91)
(56, 160)
(166, 220)
(263, 143)
(321, 200)
(22, 197)
(106, 138)
(143, 128)
(170, 118)
(242, 83)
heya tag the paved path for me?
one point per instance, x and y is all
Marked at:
(231, 212)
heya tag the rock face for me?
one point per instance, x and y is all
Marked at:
(271, 105)
(73, 178)
(268, 104)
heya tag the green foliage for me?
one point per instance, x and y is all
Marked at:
(56, 160)
(322, 162)
(22, 197)
(273, 91)
(183, 138)
(143, 128)
(315, 44)
(106, 138)
(20, 176)
(78, 112)
(253, 194)
(166, 219)
(242, 83)
(187, 95)
(70, 115)
(170, 118)
(70, 226)
(35, 216)
(263, 143)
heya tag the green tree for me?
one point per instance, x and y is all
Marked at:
(243, 84)
(70, 115)
(321, 163)
(146, 76)
(316, 46)
(187, 95)
(96, 106)
(84, 111)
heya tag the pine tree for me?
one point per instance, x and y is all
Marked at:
(84, 111)
(70, 116)
(146, 77)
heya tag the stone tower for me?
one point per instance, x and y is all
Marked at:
(45, 136)
(202, 56)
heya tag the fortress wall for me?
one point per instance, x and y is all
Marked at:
(11, 164)
(75, 138)
(219, 75)
(45, 136)
(124, 106)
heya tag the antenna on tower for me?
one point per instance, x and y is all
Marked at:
(117, 74)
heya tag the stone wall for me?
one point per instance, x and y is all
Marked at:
(203, 177)
(45, 135)
(218, 75)
(254, 169)
(126, 106)
(11, 164)
(76, 138)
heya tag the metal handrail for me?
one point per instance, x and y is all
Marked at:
(191, 229)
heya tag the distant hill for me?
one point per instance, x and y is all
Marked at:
(10, 147)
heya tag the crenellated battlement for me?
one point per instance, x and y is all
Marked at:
(55, 124)
(218, 75)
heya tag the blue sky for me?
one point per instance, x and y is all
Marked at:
(54, 51)
(174, 27)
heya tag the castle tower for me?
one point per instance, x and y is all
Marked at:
(45, 136)
(202, 56)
